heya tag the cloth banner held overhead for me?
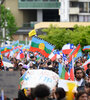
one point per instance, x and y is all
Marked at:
(32, 78)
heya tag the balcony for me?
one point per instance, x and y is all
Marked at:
(81, 0)
(74, 10)
(38, 4)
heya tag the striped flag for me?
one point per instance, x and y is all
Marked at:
(74, 53)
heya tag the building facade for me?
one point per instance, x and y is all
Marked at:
(28, 12)
(79, 10)
(75, 11)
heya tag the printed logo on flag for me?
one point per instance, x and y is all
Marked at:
(41, 46)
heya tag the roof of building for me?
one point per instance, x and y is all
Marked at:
(23, 30)
(60, 24)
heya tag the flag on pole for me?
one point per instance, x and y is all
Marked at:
(31, 33)
(41, 46)
(85, 64)
(71, 69)
(67, 48)
(74, 53)
(21, 54)
(86, 47)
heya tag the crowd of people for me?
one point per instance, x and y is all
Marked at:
(43, 92)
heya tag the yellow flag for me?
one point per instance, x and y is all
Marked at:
(70, 92)
(31, 33)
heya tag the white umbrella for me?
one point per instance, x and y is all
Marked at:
(7, 64)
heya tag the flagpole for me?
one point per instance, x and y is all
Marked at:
(26, 40)
(73, 63)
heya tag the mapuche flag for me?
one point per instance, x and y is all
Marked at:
(41, 46)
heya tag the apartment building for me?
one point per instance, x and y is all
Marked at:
(28, 12)
(79, 10)
(75, 11)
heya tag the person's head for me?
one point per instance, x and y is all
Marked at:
(60, 93)
(11, 69)
(88, 65)
(87, 87)
(20, 65)
(88, 72)
(87, 79)
(27, 92)
(42, 91)
(82, 95)
(77, 64)
(78, 73)
(23, 70)
(32, 57)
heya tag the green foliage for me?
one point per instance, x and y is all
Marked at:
(8, 18)
(59, 37)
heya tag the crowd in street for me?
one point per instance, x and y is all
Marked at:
(43, 92)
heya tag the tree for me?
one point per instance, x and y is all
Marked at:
(8, 18)
(59, 37)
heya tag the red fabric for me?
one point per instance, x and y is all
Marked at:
(22, 55)
(72, 74)
(33, 49)
(66, 76)
(67, 51)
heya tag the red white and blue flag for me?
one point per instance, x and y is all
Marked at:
(21, 54)
(85, 64)
(67, 48)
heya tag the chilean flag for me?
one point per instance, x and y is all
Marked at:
(67, 48)
(21, 54)
(85, 64)
(52, 56)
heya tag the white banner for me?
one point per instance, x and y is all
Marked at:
(34, 77)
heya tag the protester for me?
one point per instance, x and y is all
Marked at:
(42, 92)
(11, 69)
(88, 69)
(82, 95)
(23, 69)
(25, 94)
(79, 78)
(77, 64)
(87, 87)
(60, 94)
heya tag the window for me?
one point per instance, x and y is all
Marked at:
(84, 18)
(73, 18)
(74, 4)
(83, 7)
(89, 7)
